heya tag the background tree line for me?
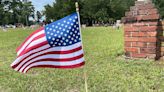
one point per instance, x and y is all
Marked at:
(94, 11)
(91, 11)
(15, 11)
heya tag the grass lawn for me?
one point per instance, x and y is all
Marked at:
(106, 68)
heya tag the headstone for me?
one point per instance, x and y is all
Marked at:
(83, 25)
(141, 29)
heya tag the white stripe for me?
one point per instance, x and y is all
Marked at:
(52, 56)
(36, 42)
(55, 63)
(51, 49)
(28, 53)
(29, 40)
(57, 56)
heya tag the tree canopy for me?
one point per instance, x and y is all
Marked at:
(90, 10)
(94, 10)
(15, 11)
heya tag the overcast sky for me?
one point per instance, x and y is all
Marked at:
(39, 4)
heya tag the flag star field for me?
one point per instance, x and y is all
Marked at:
(57, 45)
(63, 32)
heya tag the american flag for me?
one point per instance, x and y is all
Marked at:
(57, 45)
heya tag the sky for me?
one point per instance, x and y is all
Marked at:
(39, 4)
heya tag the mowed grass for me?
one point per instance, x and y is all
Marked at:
(106, 69)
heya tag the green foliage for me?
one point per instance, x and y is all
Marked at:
(59, 9)
(93, 11)
(90, 10)
(160, 5)
(15, 11)
(106, 68)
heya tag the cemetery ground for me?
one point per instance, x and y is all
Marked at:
(106, 67)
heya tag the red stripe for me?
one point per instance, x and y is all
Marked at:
(30, 49)
(33, 47)
(53, 52)
(36, 38)
(61, 67)
(27, 57)
(55, 60)
(38, 30)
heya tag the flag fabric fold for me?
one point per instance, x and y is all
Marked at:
(57, 45)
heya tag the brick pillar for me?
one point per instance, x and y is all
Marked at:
(141, 26)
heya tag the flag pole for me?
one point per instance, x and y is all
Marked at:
(78, 14)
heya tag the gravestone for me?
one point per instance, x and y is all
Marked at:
(141, 30)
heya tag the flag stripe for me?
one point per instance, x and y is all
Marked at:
(36, 42)
(41, 50)
(54, 66)
(56, 45)
(32, 52)
(40, 29)
(34, 47)
(65, 64)
(30, 38)
(54, 54)
(36, 38)
(51, 59)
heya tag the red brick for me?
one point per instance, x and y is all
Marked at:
(131, 49)
(151, 45)
(133, 39)
(128, 28)
(151, 33)
(129, 19)
(139, 44)
(138, 34)
(138, 24)
(127, 34)
(141, 7)
(146, 6)
(151, 17)
(148, 28)
(136, 55)
(127, 44)
(148, 50)
(147, 39)
(143, 34)
(139, 18)
(152, 23)
(128, 25)
(148, 12)
(140, 39)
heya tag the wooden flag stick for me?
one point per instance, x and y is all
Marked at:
(78, 14)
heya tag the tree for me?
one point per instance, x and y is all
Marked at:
(1, 11)
(28, 9)
(90, 10)
(15, 11)
(59, 9)
(160, 5)
(39, 15)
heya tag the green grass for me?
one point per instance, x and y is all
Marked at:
(106, 68)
